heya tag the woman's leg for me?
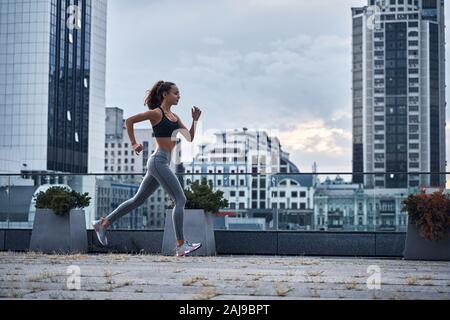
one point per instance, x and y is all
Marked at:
(159, 168)
(148, 185)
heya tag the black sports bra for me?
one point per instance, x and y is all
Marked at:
(165, 127)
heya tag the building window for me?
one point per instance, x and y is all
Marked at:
(414, 165)
(241, 193)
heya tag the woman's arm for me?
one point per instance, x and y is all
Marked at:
(189, 135)
(129, 124)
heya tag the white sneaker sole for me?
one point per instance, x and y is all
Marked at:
(183, 254)
(98, 236)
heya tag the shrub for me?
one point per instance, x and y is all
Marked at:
(430, 213)
(201, 196)
(61, 200)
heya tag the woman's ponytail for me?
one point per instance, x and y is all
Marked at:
(154, 96)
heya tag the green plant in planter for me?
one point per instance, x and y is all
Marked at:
(201, 196)
(61, 200)
(430, 213)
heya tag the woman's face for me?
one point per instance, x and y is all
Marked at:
(172, 96)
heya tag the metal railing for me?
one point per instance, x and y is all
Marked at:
(326, 201)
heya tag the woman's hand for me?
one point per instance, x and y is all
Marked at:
(137, 147)
(196, 112)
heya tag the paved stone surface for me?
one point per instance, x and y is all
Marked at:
(117, 276)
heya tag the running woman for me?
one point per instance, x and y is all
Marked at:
(166, 125)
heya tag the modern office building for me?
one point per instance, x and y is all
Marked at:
(52, 88)
(399, 104)
(52, 85)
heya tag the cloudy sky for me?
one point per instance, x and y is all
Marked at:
(283, 66)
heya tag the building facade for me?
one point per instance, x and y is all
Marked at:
(256, 176)
(345, 206)
(52, 89)
(52, 85)
(399, 93)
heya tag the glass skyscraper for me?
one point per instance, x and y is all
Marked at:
(399, 93)
(52, 85)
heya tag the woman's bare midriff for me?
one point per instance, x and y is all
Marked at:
(165, 143)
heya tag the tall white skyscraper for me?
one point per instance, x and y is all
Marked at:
(52, 88)
(399, 93)
(52, 85)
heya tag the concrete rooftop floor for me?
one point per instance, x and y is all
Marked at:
(155, 277)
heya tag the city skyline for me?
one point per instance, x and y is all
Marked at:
(274, 78)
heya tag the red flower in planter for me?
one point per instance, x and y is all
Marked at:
(430, 213)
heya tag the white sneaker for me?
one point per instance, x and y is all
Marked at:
(100, 231)
(186, 248)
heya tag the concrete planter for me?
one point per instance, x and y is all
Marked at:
(198, 227)
(418, 248)
(59, 234)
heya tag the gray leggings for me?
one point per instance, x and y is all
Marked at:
(158, 173)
